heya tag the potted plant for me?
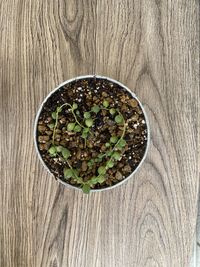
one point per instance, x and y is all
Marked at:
(91, 133)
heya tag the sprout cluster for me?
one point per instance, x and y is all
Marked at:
(84, 127)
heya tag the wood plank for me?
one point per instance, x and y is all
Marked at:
(152, 47)
(153, 42)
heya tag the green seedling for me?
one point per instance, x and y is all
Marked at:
(87, 115)
(89, 122)
(65, 153)
(107, 144)
(86, 188)
(53, 115)
(51, 126)
(113, 139)
(74, 106)
(116, 155)
(59, 148)
(68, 173)
(105, 103)
(119, 119)
(115, 145)
(121, 143)
(110, 164)
(52, 151)
(70, 126)
(102, 170)
(112, 111)
(77, 129)
(95, 109)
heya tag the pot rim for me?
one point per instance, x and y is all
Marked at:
(79, 78)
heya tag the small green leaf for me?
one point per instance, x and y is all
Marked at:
(109, 153)
(119, 147)
(65, 153)
(101, 179)
(70, 126)
(84, 135)
(74, 106)
(77, 112)
(89, 122)
(113, 139)
(51, 125)
(59, 148)
(52, 150)
(79, 181)
(90, 163)
(107, 144)
(101, 170)
(122, 143)
(101, 156)
(92, 180)
(86, 189)
(54, 115)
(76, 174)
(105, 103)
(87, 115)
(112, 111)
(86, 130)
(68, 173)
(95, 109)
(116, 155)
(77, 128)
(119, 119)
(58, 109)
(110, 164)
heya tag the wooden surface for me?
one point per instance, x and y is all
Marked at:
(152, 47)
(195, 260)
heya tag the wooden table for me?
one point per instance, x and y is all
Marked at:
(152, 47)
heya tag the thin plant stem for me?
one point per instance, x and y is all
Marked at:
(79, 179)
(123, 133)
(56, 123)
(122, 136)
(77, 119)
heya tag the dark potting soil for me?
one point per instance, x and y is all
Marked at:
(87, 93)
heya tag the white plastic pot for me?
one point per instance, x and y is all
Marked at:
(104, 78)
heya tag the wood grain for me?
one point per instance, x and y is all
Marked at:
(152, 47)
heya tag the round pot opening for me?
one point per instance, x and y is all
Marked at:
(91, 133)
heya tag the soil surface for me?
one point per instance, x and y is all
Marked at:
(87, 93)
